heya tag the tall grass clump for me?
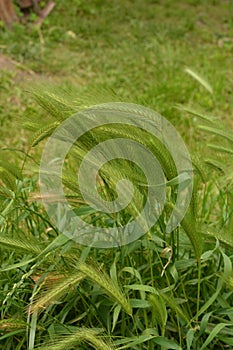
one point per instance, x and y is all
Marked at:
(162, 291)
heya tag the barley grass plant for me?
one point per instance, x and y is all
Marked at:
(164, 290)
(167, 291)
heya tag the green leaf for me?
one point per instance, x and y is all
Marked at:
(213, 333)
(116, 313)
(166, 343)
(200, 79)
(189, 338)
(204, 323)
(227, 265)
(133, 272)
(139, 303)
(32, 331)
(133, 341)
(141, 287)
(172, 303)
(159, 312)
(211, 300)
(16, 266)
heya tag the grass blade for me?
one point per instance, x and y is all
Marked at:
(213, 334)
(200, 79)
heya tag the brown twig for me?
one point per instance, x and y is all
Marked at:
(45, 12)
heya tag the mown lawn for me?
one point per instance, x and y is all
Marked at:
(139, 50)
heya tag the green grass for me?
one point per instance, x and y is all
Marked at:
(139, 50)
(163, 291)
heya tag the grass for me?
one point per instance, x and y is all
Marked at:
(163, 291)
(138, 51)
